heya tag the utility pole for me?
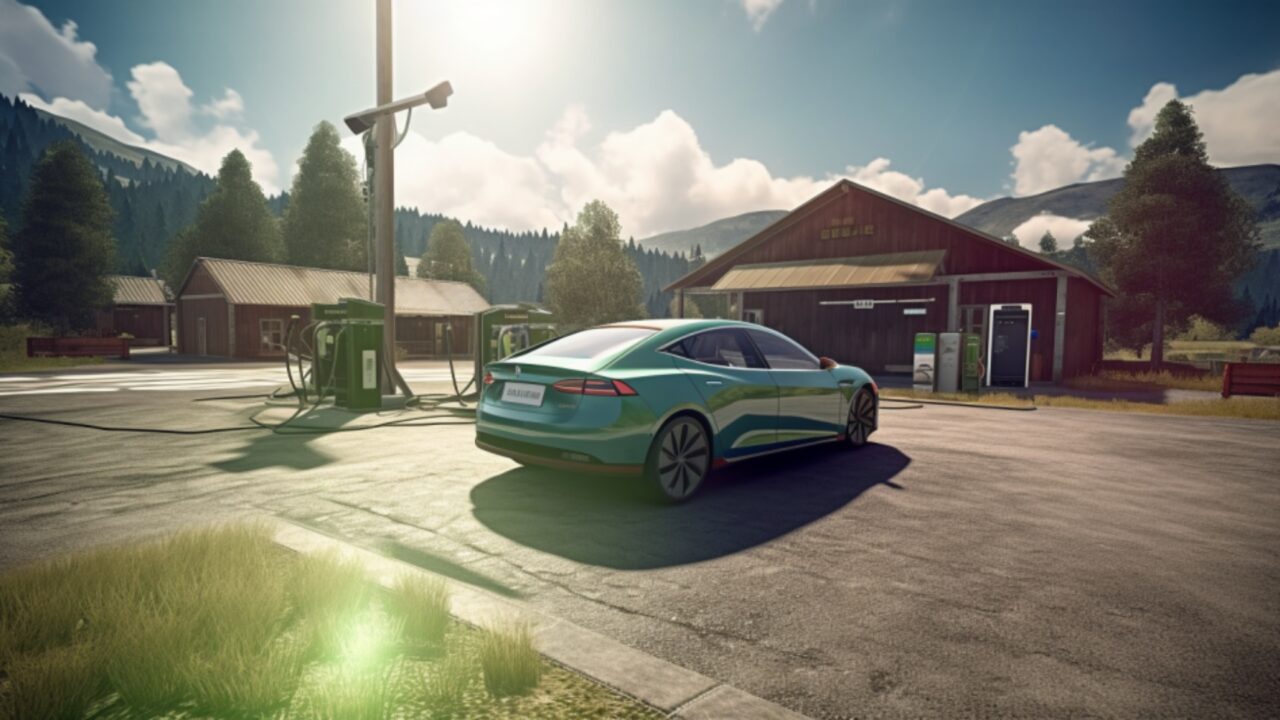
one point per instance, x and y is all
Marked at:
(384, 197)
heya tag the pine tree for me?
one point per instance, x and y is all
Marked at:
(233, 222)
(64, 251)
(1175, 237)
(448, 256)
(325, 224)
(592, 280)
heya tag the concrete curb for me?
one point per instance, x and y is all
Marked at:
(674, 690)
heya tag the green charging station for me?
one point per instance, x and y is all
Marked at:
(971, 364)
(348, 353)
(504, 330)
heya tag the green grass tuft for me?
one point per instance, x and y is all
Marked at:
(508, 661)
(346, 694)
(444, 687)
(423, 605)
(59, 683)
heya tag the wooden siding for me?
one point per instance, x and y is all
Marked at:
(417, 335)
(1084, 333)
(148, 324)
(214, 312)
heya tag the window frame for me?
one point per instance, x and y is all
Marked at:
(744, 338)
(265, 346)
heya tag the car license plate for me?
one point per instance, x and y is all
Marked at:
(523, 393)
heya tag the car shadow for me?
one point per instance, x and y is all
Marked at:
(612, 522)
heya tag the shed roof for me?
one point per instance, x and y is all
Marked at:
(133, 290)
(253, 283)
(918, 266)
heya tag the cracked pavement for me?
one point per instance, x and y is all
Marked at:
(1060, 563)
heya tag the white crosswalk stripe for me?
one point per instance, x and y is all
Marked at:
(179, 380)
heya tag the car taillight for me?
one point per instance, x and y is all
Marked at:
(592, 386)
(488, 379)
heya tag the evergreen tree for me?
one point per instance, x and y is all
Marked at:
(1048, 243)
(325, 222)
(1175, 237)
(233, 223)
(448, 256)
(592, 280)
(64, 251)
(402, 266)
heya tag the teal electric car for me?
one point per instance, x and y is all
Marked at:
(669, 400)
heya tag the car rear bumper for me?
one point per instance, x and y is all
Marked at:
(551, 457)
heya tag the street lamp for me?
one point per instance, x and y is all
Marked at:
(437, 97)
(380, 119)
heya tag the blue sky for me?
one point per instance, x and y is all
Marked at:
(649, 104)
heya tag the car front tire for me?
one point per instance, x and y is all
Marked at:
(863, 419)
(679, 459)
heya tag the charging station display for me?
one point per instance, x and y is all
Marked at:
(1009, 346)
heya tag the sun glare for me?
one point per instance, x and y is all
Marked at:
(482, 37)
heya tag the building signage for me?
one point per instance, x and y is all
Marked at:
(863, 304)
(846, 227)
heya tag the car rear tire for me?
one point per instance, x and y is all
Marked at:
(863, 417)
(679, 459)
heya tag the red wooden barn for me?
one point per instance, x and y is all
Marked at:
(234, 308)
(141, 307)
(853, 274)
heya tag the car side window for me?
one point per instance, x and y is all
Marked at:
(727, 347)
(781, 353)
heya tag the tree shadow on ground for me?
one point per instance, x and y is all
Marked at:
(612, 522)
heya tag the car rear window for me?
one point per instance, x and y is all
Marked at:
(591, 343)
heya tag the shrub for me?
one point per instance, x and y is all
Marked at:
(423, 605)
(1266, 336)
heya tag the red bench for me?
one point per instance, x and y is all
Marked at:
(78, 347)
(1251, 379)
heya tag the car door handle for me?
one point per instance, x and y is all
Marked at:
(845, 383)
(715, 382)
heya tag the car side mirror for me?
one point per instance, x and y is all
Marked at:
(827, 363)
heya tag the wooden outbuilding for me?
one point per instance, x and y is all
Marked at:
(239, 309)
(141, 307)
(854, 274)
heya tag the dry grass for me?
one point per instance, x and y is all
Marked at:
(508, 660)
(1244, 407)
(986, 398)
(1112, 381)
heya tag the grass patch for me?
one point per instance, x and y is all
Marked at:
(13, 352)
(510, 664)
(986, 398)
(1113, 381)
(224, 623)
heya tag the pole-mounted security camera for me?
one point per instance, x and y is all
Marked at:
(437, 97)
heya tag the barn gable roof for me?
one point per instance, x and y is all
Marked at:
(727, 259)
(254, 283)
(133, 290)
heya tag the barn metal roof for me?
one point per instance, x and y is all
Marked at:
(132, 290)
(253, 283)
(917, 266)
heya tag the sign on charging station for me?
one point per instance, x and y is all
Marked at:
(922, 365)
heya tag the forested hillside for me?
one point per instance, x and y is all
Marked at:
(154, 200)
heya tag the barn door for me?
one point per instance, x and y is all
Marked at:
(202, 337)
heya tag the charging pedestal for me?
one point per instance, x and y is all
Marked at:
(504, 330)
(924, 361)
(971, 364)
(348, 353)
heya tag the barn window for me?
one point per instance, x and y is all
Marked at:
(272, 335)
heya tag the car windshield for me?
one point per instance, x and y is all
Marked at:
(591, 343)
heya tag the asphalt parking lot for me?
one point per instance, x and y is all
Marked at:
(1060, 563)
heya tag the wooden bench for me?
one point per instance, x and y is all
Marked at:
(78, 347)
(1251, 379)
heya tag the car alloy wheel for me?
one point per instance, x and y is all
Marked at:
(862, 419)
(681, 458)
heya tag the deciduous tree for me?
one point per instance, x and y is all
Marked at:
(64, 251)
(448, 256)
(592, 280)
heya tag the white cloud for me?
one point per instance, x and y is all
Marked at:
(656, 176)
(1049, 158)
(228, 106)
(758, 11)
(1064, 229)
(164, 102)
(36, 57)
(877, 176)
(1240, 122)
